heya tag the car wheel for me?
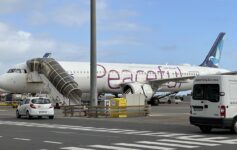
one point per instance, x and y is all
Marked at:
(17, 114)
(234, 126)
(51, 117)
(39, 117)
(169, 101)
(205, 129)
(28, 115)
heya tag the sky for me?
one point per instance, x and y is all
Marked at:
(128, 31)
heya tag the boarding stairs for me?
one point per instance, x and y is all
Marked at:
(59, 83)
(165, 94)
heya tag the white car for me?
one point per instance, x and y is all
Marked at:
(35, 107)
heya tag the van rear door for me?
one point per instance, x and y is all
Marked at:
(206, 100)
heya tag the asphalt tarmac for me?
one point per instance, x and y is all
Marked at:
(167, 128)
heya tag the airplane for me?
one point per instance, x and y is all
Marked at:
(115, 78)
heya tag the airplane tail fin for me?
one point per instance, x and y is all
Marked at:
(214, 55)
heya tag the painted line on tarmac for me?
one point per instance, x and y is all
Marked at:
(188, 142)
(3, 110)
(75, 148)
(167, 144)
(111, 147)
(21, 139)
(144, 146)
(178, 136)
(53, 142)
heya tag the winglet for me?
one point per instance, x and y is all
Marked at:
(214, 55)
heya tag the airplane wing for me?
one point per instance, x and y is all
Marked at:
(229, 73)
(158, 82)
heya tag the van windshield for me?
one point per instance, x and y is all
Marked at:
(206, 92)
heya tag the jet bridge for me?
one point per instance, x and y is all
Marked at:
(54, 72)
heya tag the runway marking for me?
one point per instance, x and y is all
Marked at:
(170, 135)
(52, 142)
(75, 148)
(164, 134)
(61, 132)
(167, 144)
(111, 147)
(188, 142)
(144, 146)
(114, 130)
(80, 128)
(137, 132)
(191, 137)
(199, 138)
(214, 138)
(22, 139)
(181, 137)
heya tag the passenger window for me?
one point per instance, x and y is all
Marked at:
(23, 101)
(212, 93)
(208, 92)
(198, 92)
(27, 101)
(18, 71)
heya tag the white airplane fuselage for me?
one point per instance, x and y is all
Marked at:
(110, 76)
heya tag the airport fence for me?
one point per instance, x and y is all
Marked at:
(106, 111)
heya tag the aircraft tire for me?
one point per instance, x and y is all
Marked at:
(155, 101)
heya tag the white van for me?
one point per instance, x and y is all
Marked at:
(214, 102)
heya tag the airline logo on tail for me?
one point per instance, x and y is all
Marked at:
(214, 56)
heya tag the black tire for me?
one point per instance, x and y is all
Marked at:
(169, 101)
(39, 117)
(155, 101)
(205, 129)
(28, 115)
(51, 117)
(234, 126)
(17, 114)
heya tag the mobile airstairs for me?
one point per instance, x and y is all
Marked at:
(61, 86)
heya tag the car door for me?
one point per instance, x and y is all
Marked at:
(20, 107)
(25, 106)
(205, 100)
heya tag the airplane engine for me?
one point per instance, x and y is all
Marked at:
(138, 88)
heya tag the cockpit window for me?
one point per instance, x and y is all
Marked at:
(16, 71)
(11, 70)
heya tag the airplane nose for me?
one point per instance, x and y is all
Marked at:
(4, 80)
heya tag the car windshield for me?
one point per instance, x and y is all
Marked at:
(206, 92)
(40, 101)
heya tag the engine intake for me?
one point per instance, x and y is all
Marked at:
(138, 88)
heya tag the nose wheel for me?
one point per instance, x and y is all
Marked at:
(155, 101)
